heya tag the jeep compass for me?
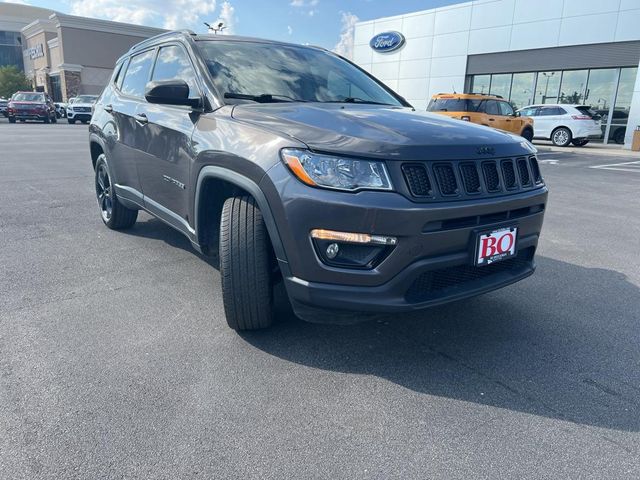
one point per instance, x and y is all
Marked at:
(296, 166)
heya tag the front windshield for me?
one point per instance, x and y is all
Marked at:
(28, 97)
(86, 99)
(288, 73)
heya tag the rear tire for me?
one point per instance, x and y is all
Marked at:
(561, 137)
(12, 120)
(245, 265)
(114, 215)
(47, 119)
(71, 122)
(54, 119)
(619, 135)
(581, 142)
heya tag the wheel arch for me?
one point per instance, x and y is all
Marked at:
(96, 147)
(216, 184)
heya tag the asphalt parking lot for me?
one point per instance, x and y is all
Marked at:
(116, 361)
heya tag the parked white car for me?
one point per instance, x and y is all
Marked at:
(564, 124)
(81, 109)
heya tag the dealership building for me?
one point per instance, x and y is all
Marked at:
(542, 51)
(64, 55)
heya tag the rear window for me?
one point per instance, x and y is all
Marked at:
(453, 105)
(585, 110)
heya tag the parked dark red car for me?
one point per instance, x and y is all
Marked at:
(31, 106)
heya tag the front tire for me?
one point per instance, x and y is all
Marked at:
(528, 134)
(71, 121)
(245, 265)
(114, 215)
(561, 137)
(54, 119)
(12, 120)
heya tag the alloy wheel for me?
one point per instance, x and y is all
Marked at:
(561, 137)
(104, 192)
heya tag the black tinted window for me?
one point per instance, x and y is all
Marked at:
(137, 75)
(172, 63)
(453, 105)
(491, 107)
(548, 111)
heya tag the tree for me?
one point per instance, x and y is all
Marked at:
(12, 80)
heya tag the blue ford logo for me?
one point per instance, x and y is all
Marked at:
(387, 42)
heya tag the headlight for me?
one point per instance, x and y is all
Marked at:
(335, 172)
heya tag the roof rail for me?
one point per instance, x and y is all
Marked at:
(160, 36)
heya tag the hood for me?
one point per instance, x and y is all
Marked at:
(381, 131)
(27, 103)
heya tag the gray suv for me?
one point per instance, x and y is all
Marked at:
(296, 166)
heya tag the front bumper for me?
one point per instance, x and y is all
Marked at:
(79, 116)
(433, 239)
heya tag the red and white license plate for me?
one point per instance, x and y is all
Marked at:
(496, 245)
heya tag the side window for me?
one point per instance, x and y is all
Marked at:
(560, 111)
(546, 111)
(137, 74)
(491, 107)
(506, 108)
(528, 112)
(172, 63)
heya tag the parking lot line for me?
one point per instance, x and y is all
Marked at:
(621, 167)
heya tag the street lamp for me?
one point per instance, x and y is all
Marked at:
(216, 29)
(548, 75)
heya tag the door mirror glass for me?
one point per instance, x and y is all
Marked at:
(170, 92)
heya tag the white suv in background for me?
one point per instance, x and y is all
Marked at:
(81, 109)
(564, 124)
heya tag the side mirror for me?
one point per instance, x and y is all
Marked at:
(170, 92)
(516, 114)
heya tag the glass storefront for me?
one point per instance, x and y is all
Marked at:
(11, 49)
(607, 90)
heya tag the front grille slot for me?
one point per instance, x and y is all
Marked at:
(440, 283)
(491, 177)
(535, 170)
(446, 178)
(417, 179)
(509, 174)
(470, 177)
(523, 170)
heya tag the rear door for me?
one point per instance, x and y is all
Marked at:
(544, 121)
(129, 131)
(492, 111)
(165, 166)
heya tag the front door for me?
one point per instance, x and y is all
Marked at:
(166, 164)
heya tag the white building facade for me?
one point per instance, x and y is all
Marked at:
(542, 51)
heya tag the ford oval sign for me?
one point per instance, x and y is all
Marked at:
(387, 42)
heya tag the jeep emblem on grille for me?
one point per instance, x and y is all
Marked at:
(485, 150)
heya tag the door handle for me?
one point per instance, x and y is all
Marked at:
(492, 119)
(141, 118)
(108, 108)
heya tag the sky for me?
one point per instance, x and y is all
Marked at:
(327, 23)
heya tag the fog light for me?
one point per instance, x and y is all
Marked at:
(332, 251)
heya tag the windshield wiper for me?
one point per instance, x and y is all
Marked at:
(357, 100)
(263, 98)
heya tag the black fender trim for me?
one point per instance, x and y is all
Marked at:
(254, 190)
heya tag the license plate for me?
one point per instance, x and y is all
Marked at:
(495, 246)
